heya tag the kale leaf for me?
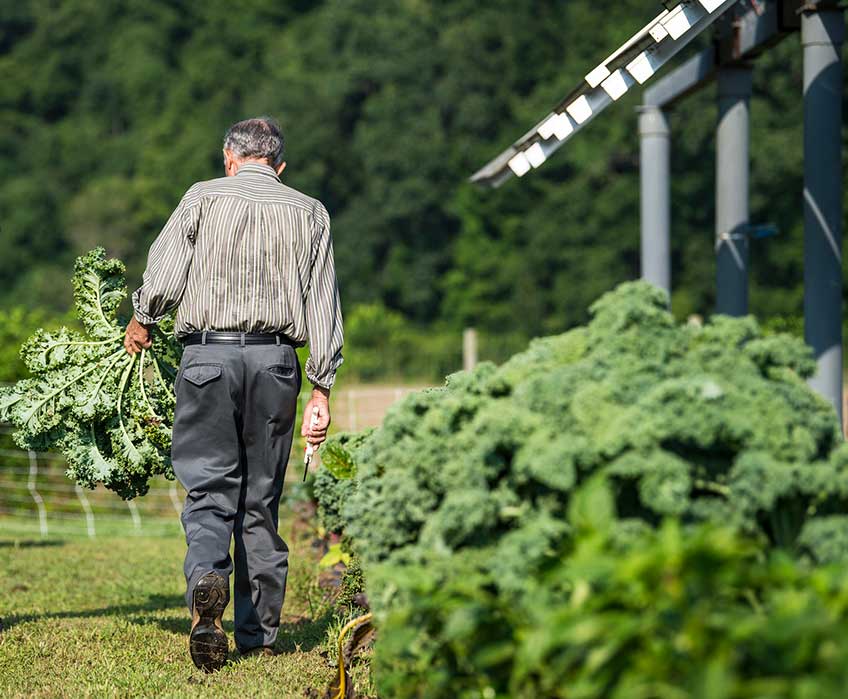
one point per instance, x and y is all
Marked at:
(110, 414)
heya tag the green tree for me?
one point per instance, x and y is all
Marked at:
(110, 110)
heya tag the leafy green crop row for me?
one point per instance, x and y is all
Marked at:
(708, 423)
(460, 498)
(668, 614)
(109, 413)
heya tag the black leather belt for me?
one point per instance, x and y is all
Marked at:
(226, 338)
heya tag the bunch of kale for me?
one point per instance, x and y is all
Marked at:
(109, 413)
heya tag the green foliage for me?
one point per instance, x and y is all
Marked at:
(335, 555)
(352, 584)
(16, 324)
(111, 111)
(331, 494)
(673, 612)
(471, 502)
(334, 482)
(382, 344)
(336, 456)
(794, 325)
(109, 413)
(712, 422)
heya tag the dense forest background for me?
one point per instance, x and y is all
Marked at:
(110, 110)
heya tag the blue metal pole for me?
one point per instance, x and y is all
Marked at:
(655, 182)
(732, 175)
(822, 35)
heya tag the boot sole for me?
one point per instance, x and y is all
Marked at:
(208, 643)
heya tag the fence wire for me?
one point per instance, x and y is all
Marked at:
(38, 500)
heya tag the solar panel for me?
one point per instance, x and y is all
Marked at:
(634, 63)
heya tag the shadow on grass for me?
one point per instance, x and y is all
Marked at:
(29, 543)
(180, 625)
(302, 635)
(177, 625)
(151, 604)
(297, 636)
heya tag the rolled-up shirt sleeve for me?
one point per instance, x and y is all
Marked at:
(323, 307)
(168, 263)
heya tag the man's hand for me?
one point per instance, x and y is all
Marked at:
(318, 433)
(137, 337)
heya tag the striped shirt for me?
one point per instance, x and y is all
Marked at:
(248, 254)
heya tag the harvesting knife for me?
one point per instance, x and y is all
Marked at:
(310, 450)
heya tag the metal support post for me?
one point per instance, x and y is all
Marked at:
(469, 349)
(655, 165)
(732, 173)
(822, 35)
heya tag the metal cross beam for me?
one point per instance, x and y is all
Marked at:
(743, 39)
(635, 62)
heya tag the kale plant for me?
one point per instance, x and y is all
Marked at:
(712, 422)
(109, 413)
(472, 510)
(335, 481)
(696, 611)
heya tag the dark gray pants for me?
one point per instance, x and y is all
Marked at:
(233, 425)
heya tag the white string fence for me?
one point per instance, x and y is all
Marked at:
(38, 500)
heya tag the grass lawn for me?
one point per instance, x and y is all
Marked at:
(106, 617)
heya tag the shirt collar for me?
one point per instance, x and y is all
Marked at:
(259, 169)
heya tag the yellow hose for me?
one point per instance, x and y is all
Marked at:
(352, 624)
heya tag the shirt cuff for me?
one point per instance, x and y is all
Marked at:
(139, 314)
(324, 379)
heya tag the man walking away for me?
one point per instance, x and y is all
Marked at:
(248, 263)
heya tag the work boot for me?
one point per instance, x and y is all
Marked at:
(208, 643)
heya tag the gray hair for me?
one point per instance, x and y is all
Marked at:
(257, 138)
